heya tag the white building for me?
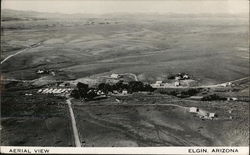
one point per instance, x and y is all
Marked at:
(177, 78)
(177, 83)
(185, 76)
(158, 82)
(234, 98)
(124, 92)
(115, 76)
(193, 110)
(211, 115)
(40, 71)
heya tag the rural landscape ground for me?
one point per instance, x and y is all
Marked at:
(213, 50)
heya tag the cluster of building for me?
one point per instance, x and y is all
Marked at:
(201, 113)
(98, 92)
(160, 84)
(123, 92)
(177, 78)
(115, 76)
(44, 71)
(182, 76)
(226, 84)
(57, 91)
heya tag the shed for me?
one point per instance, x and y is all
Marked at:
(234, 98)
(158, 82)
(185, 76)
(155, 85)
(124, 92)
(193, 110)
(40, 71)
(177, 83)
(211, 115)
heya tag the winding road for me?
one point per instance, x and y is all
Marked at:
(131, 74)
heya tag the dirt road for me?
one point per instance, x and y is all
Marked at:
(135, 77)
(12, 55)
(73, 121)
(126, 104)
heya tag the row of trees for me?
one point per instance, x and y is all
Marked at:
(84, 91)
(132, 86)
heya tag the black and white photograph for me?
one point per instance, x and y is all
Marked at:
(125, 73)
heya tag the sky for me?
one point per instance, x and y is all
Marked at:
(130, 6)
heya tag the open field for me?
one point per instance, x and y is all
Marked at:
(212, 50)
(145, 46)
(136, 122)
(34, 120)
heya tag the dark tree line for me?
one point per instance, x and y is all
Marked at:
(132, 86)
(83, 91)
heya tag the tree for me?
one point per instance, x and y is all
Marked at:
(147, 87)
(91, 94)
(120, 86)
(82, 88)
(75, 93)
(135, 86)
(105, 87)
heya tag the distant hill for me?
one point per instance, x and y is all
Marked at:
(13, 15)
(8, 15)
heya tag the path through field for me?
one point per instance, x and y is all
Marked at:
(23, 50)
(73, 121)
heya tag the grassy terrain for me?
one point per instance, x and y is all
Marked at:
(34, 120)
(210, 49)
(151, 48)
(159, 125)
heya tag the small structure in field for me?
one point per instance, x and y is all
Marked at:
(28, 94)
(115, 92)
(186, 76)
(193, 110)
(211, 115)
(158, 82)
(99, 92)
(115, 76)
(226, 84)
(177, 83)
(40, 71)
(124, 92)
(53, 73)
(232, 99)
